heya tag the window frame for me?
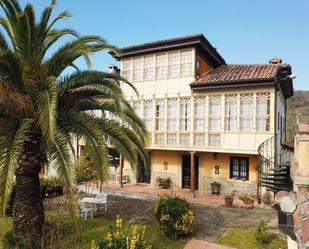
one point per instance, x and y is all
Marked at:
(232, 158)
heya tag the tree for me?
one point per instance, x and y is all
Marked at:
(41, 108)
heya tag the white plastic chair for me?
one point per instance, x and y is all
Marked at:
(103, 199)
(85, 209)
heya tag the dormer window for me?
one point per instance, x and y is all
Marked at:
(149, 68)
(127, 69)
(161, 67)
(137, 69)
(185, 63)
(173, 65)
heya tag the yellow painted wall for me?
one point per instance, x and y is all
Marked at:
(207, 166)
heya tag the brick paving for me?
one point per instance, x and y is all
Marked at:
(200, 244)
(152, 191)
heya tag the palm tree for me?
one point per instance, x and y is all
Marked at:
(41, 109)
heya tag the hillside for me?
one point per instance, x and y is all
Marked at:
(298, 106)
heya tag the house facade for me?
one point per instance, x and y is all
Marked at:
(206, 118)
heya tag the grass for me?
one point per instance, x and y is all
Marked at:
(244, 239)
(79, 234)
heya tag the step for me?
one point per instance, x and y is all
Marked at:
(279, 184)
(275, 174)
(271, 187)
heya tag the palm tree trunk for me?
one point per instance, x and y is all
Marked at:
(28, 211)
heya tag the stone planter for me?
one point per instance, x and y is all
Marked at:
(248, 203)
(228, 202)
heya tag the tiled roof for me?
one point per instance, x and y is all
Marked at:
(240, 72)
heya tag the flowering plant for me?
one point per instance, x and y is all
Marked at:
(123, 237)
(174, 215)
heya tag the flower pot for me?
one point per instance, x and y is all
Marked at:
(228, 202)
(248, 203)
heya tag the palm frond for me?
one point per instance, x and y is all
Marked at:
(12, 136)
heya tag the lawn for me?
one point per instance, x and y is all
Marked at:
(244, 239)
(79, 234)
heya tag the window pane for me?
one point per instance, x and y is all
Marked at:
(246, 112)
(137, 108)
(161, 69)
(148, 114)
(160, 115)
(214, 140)
(137, 69)
(185, 63)
(173, 64)
(239, 168)
(214, 113)
(231, 112)
(172, 114)
(159, 138)
(171, 138)
(263, 112)
(149, 68)
(184, 139)
(184, 116)
(199, 139)
(199, 113)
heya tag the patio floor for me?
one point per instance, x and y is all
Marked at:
(147, 191)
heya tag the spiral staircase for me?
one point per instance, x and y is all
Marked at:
(274, 165)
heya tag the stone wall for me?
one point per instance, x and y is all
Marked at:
(172, 176)
(228, 186)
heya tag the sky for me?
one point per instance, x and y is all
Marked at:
(244, 32)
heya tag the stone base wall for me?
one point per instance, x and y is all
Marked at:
(228, 186)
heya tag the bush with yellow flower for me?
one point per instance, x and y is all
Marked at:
(123, 237)
(174, 215)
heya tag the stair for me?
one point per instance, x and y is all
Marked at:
(274, 165)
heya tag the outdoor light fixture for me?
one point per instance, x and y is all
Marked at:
(215, 155)
(165, 164)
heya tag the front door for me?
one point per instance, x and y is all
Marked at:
(186, 171)
(143, 174)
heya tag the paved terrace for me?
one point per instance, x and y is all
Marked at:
(148, 192)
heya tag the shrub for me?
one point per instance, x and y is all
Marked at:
(49, 187)
(84, 170)
(261, 234)
(174, 215)
(267, 198)
(120, 237)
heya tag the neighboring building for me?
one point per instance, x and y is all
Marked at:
(198, 108)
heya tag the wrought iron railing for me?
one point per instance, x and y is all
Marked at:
(274, 164)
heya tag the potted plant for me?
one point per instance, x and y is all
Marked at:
(228, 198)
(248, 199)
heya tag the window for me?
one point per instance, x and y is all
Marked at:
(199, 139)
(184, 139)
(172, 114)
(214, 140)
(127, 69)
(149, 68)
(239, 168)
(159, 138)
(246, 112)
(148, 114)
(161, 70)
(231, 112)
(198, 67)
(214, 113)
(199, 113)
(137, 69)
(185, 63)
(137, 107)
(263, 112)
(173, 65)
(171, 138)
(184, 115)
(160, 115)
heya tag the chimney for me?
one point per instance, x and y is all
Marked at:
(275, 60)
(113, 69)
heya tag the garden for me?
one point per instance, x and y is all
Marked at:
(169, 222)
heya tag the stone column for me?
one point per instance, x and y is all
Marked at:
(192, 173)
